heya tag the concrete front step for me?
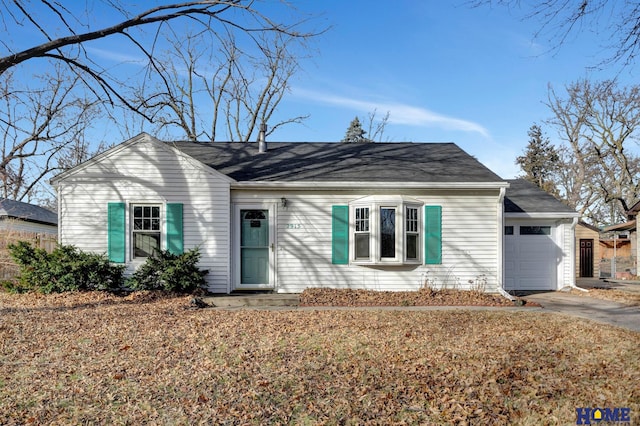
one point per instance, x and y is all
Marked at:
(252, 300)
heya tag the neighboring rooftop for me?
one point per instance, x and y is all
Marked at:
(18, 210)
(524, 197)
(340, 162)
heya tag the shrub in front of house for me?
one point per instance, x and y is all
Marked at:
(171, 272)
(66, 268)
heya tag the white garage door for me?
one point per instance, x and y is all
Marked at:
(530, 257)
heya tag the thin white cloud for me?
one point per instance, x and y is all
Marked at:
(398, 113)
(117, 56)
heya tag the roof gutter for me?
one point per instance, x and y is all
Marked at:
(347, 186)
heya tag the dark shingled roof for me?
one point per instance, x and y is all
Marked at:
(340, 162)
(524, 197)
(19, 210)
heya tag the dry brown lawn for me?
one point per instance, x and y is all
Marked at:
(94, 358)
(614, 295)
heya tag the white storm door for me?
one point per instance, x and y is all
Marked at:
(254, 247)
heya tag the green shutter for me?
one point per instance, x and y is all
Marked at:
(340, 235)
(116, 234)
(175, 239)
(432, 235)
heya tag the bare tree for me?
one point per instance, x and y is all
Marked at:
(65, 34)
(376, 128)
(39, 121)
(617, 23)
(598, 123)
(41, 125)
(223, 89)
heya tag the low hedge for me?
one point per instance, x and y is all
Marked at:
(68, 268)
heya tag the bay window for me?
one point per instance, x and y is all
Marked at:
(385, 230)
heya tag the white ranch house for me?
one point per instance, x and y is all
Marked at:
(287, 216)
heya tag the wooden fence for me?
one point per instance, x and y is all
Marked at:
(8, 268)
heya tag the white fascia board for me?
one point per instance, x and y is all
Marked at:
(534, 215)
(346, 186)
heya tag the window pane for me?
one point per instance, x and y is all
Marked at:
(412, 246)
(362, 219)
(155, 224)
(362, 246)
(146, 224)
(145, 243)
(387, 232)
(147, 212)
(137, 224)
(535, 230)
(412, 219)
(155, 211)
(137, 211)
(508, 230)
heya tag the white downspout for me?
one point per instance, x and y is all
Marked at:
(500, 239)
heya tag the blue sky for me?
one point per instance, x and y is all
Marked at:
(444, 71)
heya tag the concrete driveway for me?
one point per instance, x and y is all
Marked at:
(588, 307)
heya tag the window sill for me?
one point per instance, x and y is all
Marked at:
(385, 263)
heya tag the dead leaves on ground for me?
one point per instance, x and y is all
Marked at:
(423, 297)
(621, 296)
(99, 359)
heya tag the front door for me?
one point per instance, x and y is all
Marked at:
(586, 258)
(255, 249)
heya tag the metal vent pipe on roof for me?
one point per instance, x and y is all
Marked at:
(262, 143)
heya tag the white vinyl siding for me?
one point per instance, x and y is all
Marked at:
(303, 241)
(19, 225)
(146, 173)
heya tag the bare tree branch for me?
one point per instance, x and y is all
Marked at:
(243, 90)
(37, 124)
(617, 23)
(598, 122)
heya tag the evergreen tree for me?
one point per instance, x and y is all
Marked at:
(540, 160)
(355, 132)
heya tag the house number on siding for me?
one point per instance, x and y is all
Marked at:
(294, 226)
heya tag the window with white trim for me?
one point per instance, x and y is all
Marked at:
(146, 229)
(362, 235)
(412, 234)
(385, 230)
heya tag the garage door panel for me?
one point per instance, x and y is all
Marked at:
(534, 284)
(530, 259)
